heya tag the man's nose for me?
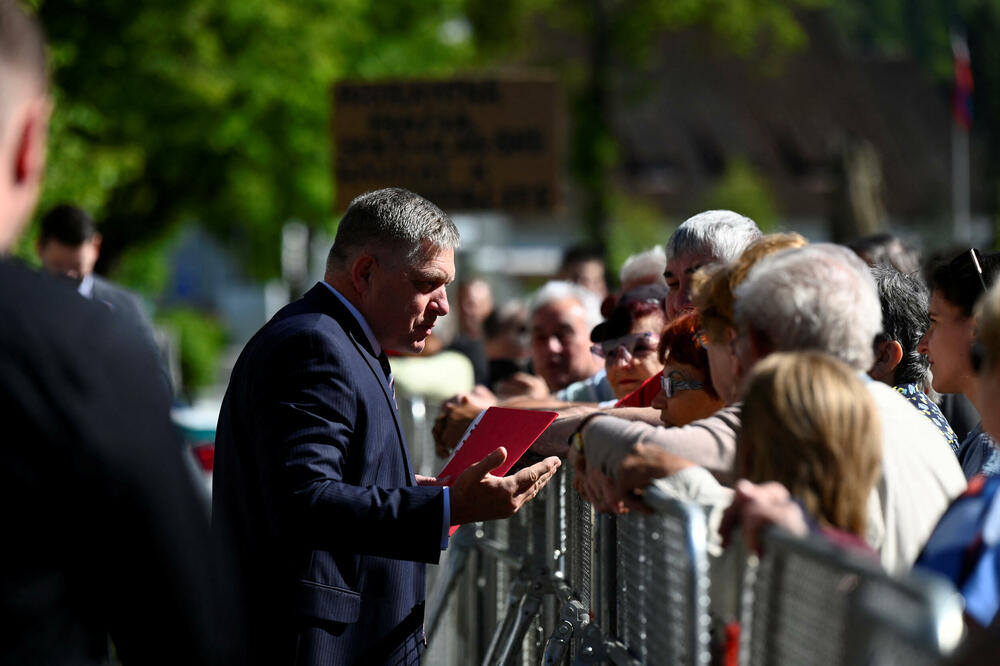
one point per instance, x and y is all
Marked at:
(554, 345)
(440, 303)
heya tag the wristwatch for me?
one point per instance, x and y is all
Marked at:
(576, 439)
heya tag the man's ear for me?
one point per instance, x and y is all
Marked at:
(29, 152)
(888, 355)
(96, 242)
(361, 272)
(760, 346)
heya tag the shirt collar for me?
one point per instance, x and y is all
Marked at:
(358, 316)
(86, 286)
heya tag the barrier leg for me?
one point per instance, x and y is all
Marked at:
(596, 649)
(517, 592)
(530, 604)
(573, 616)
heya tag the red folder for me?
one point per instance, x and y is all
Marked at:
(514, 429)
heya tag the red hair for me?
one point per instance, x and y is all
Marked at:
(683, 339)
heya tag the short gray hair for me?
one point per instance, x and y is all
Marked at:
(644, 265)
(393, 217)
(722, 234)
(558, 290)
(819, 297)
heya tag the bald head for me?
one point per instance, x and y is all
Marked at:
(23, 118)
(22, 56)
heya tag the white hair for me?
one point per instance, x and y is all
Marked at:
(819, 297)
(644, 267)
(722, 234)
(558, 290)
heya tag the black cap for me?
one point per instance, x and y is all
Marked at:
(619, 321)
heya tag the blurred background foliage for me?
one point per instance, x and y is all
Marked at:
(217, 112)
(200, 339)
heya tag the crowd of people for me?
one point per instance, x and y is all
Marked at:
(821, 388)
(806, 385)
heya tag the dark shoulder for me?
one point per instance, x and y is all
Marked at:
(38, 310)
(59, 348)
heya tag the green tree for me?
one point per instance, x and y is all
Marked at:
(217, 110)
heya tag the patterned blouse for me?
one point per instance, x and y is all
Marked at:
(927, 407)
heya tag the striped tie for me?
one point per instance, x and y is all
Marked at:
(383, 360)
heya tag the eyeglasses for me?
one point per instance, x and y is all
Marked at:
(671, 384)
(959, 265)
(627, 347)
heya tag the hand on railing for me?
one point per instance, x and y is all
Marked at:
(642, 465)
(593, 485)
(757, 507)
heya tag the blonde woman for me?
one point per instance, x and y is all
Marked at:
(810, 425)
(811, 435)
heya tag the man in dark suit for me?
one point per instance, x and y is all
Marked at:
(69, 246)
(311, 470)
(102, 532)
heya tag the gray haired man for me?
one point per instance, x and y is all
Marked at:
(715, 236)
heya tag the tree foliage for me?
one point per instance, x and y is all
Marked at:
(217, 110)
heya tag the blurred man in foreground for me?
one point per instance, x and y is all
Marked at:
(103, 534)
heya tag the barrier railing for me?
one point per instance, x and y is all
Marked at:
(557, 583)
(806, 602)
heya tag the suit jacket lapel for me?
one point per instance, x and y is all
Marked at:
(324, 300)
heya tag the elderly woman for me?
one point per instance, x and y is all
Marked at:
(630, 337)
(810, 425)
(686, 392)
(633, 454)
(955, 287)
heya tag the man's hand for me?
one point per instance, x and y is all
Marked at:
(432, 480)
(641, 466)
(756, 507)
(523, 385)
(600, 491)
(478, 495)
(456, 415)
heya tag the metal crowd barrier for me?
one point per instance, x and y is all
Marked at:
(807, 602)
(570, 586)
(559, 584)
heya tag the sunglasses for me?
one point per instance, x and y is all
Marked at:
(672, 385)
(634, 345)
(959, 263)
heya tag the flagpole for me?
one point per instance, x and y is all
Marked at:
(962, 225)
(960, 126)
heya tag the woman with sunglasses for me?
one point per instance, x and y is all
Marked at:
(965, 545)
(955, 287)
(686, 391)
(630, 337)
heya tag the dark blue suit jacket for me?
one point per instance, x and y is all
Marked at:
(313, 483)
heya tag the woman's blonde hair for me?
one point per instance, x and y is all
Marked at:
(712, 287)
(810, 424)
